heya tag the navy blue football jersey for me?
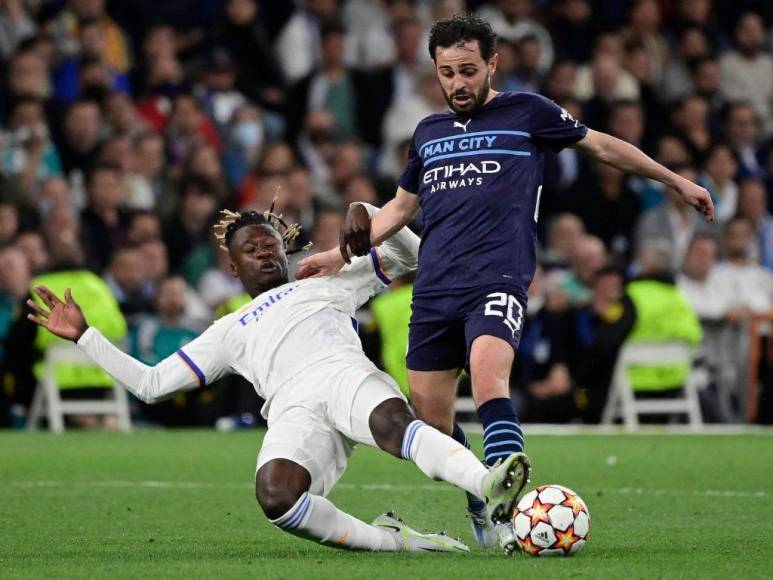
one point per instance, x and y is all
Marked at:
(478, 180)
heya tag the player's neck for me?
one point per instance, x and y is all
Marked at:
(491, 94)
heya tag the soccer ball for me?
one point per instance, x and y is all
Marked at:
(551, 520)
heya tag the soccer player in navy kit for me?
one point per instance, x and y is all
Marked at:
(476, 173)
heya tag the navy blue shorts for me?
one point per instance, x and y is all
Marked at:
(443, 328)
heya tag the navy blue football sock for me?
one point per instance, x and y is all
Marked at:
(474, 503)
(502, 433)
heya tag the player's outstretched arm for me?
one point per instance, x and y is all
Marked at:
(150, 384)
(628, 158)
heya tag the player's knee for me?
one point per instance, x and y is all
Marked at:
(388, 423)
(279, 485)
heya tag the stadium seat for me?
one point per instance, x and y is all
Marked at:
(621, 402)
(47, 399)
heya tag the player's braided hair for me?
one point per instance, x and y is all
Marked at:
(231, 221)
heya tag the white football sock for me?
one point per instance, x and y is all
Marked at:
(440, 457)
(315, 518)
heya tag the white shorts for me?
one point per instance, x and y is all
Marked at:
(320, 432)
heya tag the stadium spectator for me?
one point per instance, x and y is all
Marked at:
(330, 87)
(80, 138)
(600, 328)
(514, 20)
(9, 222)
(142, 226)
(28, 77)
(753, 205)
(725, 349)
(102, 222)
(644, 28)
(564, 231)
(203, 161)
(677, 81)
(188, 127)
(588, 257)
(65, 26)
(608, 207)
(31, 244)
(672, 222)
(746, 72)
(14, 289)
(573, 29)
(243, 34)
(275, 161)
(159, 336)
(603, 76)
(705, 78)
(217, 92)
(544, 387)
(147, 179)
(742, 130)
(15, 26)
(15, 275)
(709, 290)
(403, 115)
(244, 139)
(121, 115)
(187, 229)
(691, 120)
(71, 76)
(155, 260)
(753, 284)
(127, 280)
(297, 46)
(719, 169)
(28, 154)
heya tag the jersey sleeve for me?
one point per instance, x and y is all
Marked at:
(553, 126)
(397, 255)
(410, 178)
(195, 365)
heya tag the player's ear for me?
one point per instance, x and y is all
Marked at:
(492, 63)
(234, 273)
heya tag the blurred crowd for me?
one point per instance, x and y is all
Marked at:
(126, 126)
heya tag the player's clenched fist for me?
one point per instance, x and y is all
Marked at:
(355, 235)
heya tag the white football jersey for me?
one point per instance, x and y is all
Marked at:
(278, 335)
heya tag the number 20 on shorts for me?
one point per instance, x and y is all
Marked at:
(505, 306)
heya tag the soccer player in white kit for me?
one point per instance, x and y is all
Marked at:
(296, 342)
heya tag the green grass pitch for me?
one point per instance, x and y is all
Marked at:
(180, 504)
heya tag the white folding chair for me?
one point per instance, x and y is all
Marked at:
(47, 400)
(621, 402)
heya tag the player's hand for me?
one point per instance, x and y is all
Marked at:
(696, 196)
(64, 319)
(355, 234)
(318, 265)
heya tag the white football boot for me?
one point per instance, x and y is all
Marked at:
(503, 484)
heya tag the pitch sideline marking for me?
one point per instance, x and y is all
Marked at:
(373, 487)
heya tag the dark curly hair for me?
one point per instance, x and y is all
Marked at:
(462, 28)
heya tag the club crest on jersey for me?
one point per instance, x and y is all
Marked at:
(462, 125)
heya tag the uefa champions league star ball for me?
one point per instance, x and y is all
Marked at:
(551, 520)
